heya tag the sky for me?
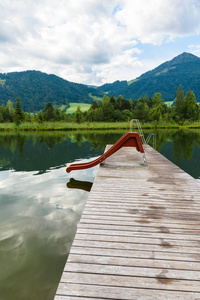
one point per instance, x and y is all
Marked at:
(96, 41)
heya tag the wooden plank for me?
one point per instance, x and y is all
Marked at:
(159, 282)
(133, 262)
(143, 223)
(139, 235)
(164, 243)
(116, 293)
(136, 247)
(154, 214)
(142, 204)
(192, 257)
(129, 271)
(125, 219)
(61, 297)
(184, 211)
(132, 228)
(162, 234)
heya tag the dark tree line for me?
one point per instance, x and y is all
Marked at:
(10, 114)
(14, 113)
(152, 109)
(112, 109)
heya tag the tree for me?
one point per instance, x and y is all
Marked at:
(127, 114)
(108, 110)
(150, 102)
(157, 99)
(95, 104)
(10, 111)
(141, 111)
(3, 115)
(122, 104)
(133, 103)
(179, 107)
(40, 117)
(191, 106)
(19, 113)
(159, 108)
(48, 112)
(156, 113)
(78, 115)
(98, 115)
(113, 101)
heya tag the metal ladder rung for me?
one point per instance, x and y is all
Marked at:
(140, 132)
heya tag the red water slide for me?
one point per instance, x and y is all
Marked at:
(129, 139)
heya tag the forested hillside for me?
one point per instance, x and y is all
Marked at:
(111, 109)
(35, 89)
(165, 79)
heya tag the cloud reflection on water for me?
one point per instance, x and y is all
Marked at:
(38, 217)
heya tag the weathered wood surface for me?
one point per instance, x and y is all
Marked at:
(139, 235)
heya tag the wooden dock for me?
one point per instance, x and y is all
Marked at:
(139, 235)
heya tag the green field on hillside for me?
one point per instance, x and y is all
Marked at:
(73, 106)
(169, 103)
(95, 97)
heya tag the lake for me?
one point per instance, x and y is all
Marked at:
(41, 204)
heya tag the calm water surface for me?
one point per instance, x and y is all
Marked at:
(40, 204)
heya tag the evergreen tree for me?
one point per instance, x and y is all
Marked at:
(48, 112)
(3, 115)
(19, 113)
(150, 102)
(78, 115)
(133, 103)
(108, 110)
(179, 107)
(191, 106)
(95, 104)
(122, 104)
(113, 101)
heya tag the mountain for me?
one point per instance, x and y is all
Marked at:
(35, 89)
(166, 78)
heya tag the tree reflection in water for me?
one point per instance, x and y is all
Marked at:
(31, 151)
(38, 214)
(181, 147)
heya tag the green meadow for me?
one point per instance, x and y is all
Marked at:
(63, 125)
(169, 103)
(73, 106)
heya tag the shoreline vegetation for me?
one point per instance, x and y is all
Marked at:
(108, 114)
(70, 126)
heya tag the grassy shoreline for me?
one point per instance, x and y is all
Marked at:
(56, 126)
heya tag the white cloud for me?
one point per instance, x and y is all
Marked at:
(194, 49)
(154, 21)
(90, 41)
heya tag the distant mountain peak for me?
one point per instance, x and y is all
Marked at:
(183, 69)
(183, 58)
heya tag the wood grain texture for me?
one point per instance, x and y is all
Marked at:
(139, 235)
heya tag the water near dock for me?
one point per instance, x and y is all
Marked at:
(39, 208)
(138, 237)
